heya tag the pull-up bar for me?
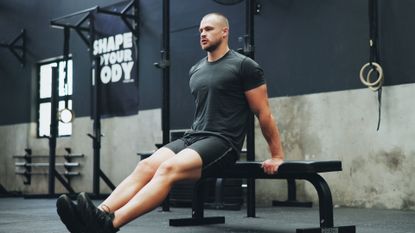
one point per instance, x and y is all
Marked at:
(78, 26)
(124, 16)
(74, 14)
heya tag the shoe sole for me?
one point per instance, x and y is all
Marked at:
(67, 212)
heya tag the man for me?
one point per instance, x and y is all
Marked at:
(226, 86)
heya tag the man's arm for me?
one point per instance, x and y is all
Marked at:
(258, 102)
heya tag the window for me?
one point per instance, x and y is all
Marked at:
(45, 94)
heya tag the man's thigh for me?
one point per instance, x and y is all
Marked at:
(185, 165)
(216, 154)
(213, 152)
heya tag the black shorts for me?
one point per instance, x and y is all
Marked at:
(215, 152)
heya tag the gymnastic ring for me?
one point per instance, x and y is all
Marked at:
(373, 87)
(367, 80)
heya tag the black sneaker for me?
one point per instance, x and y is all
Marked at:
(67, 212)
(96, 221)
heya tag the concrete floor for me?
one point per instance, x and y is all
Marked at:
(18, 215)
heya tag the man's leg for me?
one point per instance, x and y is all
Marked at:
(186, 165)
(141, 175)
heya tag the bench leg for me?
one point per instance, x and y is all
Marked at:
(325, 209)
(292, 197)
(250, 199)
(197, 210)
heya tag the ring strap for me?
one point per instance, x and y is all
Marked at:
(373, 35)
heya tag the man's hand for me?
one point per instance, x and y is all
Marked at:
(270, 166)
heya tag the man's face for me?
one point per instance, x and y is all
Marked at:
(211, 33)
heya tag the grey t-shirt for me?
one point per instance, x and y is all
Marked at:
(218, 89)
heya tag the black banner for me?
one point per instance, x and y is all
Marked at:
(116, 49)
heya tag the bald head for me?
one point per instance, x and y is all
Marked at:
(218, 18)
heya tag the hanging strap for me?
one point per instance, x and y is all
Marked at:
(374, 57)
(379, 107)
(373, 30)
(373, 66)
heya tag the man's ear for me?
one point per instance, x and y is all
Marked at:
(225, 31)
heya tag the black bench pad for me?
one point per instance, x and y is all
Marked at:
(253, 169)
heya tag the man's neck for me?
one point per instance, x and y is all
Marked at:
(217, 53)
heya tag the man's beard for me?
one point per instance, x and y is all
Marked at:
(213, 46)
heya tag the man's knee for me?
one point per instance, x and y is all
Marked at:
(145, 167)
(167, 168)
(173, 171)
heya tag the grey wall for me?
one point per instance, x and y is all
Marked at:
(311, 52)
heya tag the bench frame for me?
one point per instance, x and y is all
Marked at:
(304, 170)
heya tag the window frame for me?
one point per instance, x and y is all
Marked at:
(40, 100)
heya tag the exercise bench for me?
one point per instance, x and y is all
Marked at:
(294, 169)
